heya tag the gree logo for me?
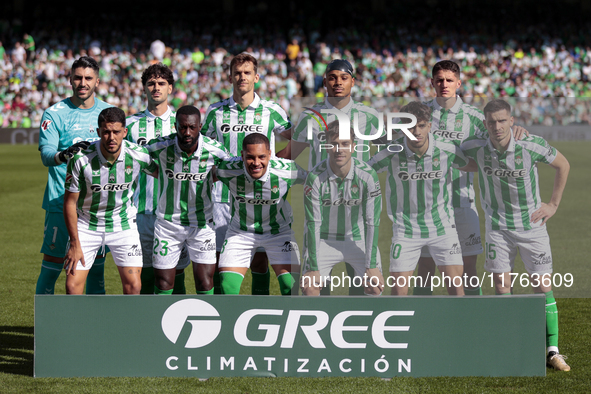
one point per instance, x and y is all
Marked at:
(203, 332)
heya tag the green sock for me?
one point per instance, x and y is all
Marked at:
(475, 292)
(48, 276)
(230, 282)
(162, 292)
(422, 291)
(147, 280)
(210, 291)
(287, 281)
(95, 281)
(260, 283)
(353, 290)
(179, 284)
(217, 285)
(551, 320)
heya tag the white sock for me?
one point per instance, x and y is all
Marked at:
(552, 349)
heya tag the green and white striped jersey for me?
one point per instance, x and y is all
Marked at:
(509, 191)
(346, 209)
(455, 125)
(141, 128)
(228, 124)
(259, 205)
(368, 125)
(106, 190)
(185, 181)
(417, 193)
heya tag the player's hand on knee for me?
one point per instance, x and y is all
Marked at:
(68, 153)
(310, 283)
(373, 281)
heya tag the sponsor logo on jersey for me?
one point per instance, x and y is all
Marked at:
(57, 107)
(111, 178)
(473, 240)
(258, 195)
(241, 189)
(242, 128)
(288, 246)
(419, 168)
(184, 176)
(207, 246)
(543, 259)
(142, 141)
(96, 172)
(455, 249)
(135, 250)
(415, 176)
(307, 190)
(450, 135)
(504, 173)
(341, 201)
(68, 177)
(128, 170)
(110, 187)
(186, 167)
(45, 124)
(257, 201)
(170, 160)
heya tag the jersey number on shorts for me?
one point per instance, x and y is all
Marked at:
(491, 254)
(396, 248)
(163, 247)
(223, 246)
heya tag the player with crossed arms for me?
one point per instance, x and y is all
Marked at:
(261, 216)
(515, 214)
(343, 204)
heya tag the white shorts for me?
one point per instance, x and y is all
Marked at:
(145, 226)
(405, 252)
(330, 253)
(468, 228)
(533, 246)
(239, 247)
(170, 239)
(221, 218)
(125, 247)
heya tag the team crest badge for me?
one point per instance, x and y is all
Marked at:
(45, 124)
(128, 170)
(436, 162)
(203, 163)
(458, 124)
(275, 189)
(258, 117)
(518, 160)
(354, 189)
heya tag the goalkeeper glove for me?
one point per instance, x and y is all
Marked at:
(68, 153)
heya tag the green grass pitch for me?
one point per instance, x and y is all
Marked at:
(22, 181)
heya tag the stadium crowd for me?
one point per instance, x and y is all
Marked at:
(389, 62)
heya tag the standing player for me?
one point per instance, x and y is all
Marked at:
(419, 203)
(510, 196)
(98, 205)
(156, 121)
(261, 216)
(185, 217)
(229, 122)
(454, 121)
(338, 81)
(67, 127)
(343, 204)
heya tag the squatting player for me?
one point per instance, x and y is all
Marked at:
(338, 80)
(343, 204)
(229, 122)
(185, 210)
(156, 121)
(98, 204)
(515, 214)
(67, 127)
(419, 203)
(261, 216)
